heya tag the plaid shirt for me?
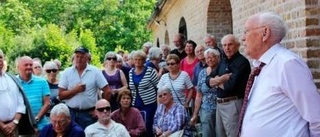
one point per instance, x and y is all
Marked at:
(173, 120)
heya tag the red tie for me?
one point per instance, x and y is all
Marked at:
(255, 73)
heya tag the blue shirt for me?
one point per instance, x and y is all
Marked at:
(209, 95)
(199, 66)
(172, 120)
(36, 89)
(73, 130)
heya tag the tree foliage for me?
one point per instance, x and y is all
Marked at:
(51, 29)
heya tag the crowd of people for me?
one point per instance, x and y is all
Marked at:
(157, 91)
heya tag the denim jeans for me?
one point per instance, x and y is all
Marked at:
(83, 118)
(208, 122)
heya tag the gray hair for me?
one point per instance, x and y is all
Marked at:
(147, 44)
(164, 46)
(110, 53)
(276, 24)
(119, 59)
(232, 37)
(154, 53)
(209, 36)
(139, 53)
(211, 51)
(58, 62)
(50, 65)
(130, 56)
(59, 109)
(164, 89)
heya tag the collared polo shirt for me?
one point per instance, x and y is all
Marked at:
(94, 80)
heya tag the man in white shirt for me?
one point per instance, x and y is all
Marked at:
(283, 101)
(79, 86)
(105, 126)
(13, 104)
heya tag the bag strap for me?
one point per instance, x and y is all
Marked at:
(174, 90)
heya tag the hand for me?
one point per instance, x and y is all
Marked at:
(225, 77)
(9, 128)
(80, 87)
(193, 121)
(158, 131)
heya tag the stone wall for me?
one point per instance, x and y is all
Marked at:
(220, 17)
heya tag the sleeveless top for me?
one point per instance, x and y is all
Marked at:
(113, 80)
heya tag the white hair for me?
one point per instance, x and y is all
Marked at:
(110, 53)
(211, 51)
(50, 65)
(276, 24)
(147, 44)
(154, 53)
(164, 89)
(59, 109)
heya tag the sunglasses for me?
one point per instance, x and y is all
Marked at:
(162, 95)
(171, 64)
(112, 58)
(108, 108)
(51, 70)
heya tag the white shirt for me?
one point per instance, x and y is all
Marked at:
(99, 130)
(283, 101)
(94, 80)
(11, 100)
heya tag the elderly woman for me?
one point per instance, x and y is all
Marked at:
(155, 56)
(61, 124)
(129, 116)
(51, 69)
(170, 116)
(37, 67)
(142, 83)
(206, 96)
(177, 80)
(115, 77)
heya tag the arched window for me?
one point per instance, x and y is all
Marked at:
(183, 27)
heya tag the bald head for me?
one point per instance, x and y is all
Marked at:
(24, 65)
(102, 103)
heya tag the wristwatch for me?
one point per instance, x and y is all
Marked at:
(36, 119)
(15, 121)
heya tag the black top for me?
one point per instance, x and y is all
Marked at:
(240, 68)
(181, 55)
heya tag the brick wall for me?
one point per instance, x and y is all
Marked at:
(220, 17)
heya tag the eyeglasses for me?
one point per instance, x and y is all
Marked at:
(171, 64)
(162, 95)
(60, 123)
(112, 58)
(51, 70)
(248, 30)
(108, 108)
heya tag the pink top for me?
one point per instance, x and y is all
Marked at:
(189, 69)
(133, 121)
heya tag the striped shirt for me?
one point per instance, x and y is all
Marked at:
(146, 87)
(36, 89)
(177, 86)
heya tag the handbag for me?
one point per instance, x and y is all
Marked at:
(178, 133)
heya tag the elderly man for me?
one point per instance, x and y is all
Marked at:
(230, 79)
(283, 101)
(179, 41)
(210, 42)
(79, 87)
(36, 89)
(105, 126)
(199, 51)
(14, 106)
(61, 124)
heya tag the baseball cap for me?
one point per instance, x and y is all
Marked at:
(82, 50)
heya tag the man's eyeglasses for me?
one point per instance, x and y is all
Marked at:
(248, 30)
(115, 59)
(171, 64)
(51, 70)
(108, 108)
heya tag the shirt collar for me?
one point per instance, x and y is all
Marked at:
(267, 56)
(22, 81)
(88, 67)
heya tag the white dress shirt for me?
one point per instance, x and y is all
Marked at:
(284, 101)
(11, 100)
